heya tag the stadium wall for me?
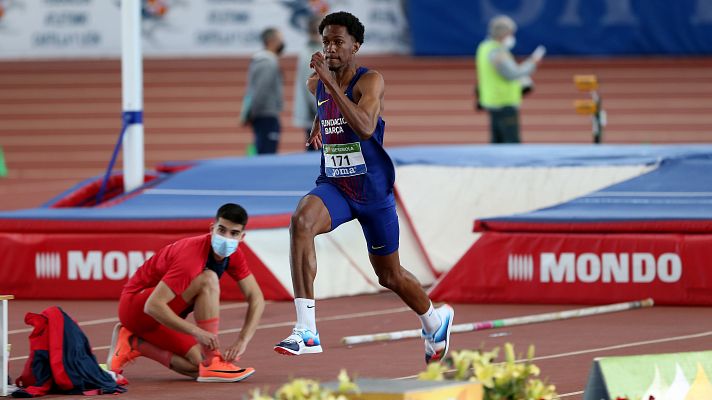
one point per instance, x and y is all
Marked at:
(570, 27)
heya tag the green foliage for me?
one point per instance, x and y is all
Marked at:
(506, 380)
(307, 389)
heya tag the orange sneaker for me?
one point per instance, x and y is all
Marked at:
(120, 352)
(223, 371)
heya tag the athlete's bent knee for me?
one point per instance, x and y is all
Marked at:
(301, 224)
(389, 279)
(209, 281)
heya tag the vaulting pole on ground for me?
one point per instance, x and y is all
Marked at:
(132, 93)
(500, 323)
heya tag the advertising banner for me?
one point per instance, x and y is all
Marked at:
(182, 28)
(96, 266)
(581, 269)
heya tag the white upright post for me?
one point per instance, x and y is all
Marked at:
(4, 346)
(132, 93)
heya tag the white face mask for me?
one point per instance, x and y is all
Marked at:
(223, 246)
(509, 42)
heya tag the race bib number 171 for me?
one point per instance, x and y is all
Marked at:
(342, 160)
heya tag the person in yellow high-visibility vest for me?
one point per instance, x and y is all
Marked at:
(501, 80)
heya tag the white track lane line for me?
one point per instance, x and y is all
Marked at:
(115, 319)
(85, 323)
(561, 396)
(625, 345)
(334, 318)
(266, 326)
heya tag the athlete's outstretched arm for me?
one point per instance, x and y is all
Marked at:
(361, 117)
(255, 306)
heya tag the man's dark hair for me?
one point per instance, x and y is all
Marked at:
(233, 213)
(353, 26)
(267, 34)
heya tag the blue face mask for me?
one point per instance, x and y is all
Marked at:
(223, 246)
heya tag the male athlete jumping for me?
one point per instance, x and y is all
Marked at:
(356, 182)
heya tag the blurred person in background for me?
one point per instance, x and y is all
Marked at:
(501, 81)
(304, 108)
(263, 100)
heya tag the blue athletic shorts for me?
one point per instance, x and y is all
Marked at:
(379, 221)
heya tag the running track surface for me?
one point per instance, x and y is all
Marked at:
(565, 349)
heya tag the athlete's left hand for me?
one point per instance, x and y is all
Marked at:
(236, 350)
(315, 139)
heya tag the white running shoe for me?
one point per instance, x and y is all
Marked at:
(301, 341)
(437, 344)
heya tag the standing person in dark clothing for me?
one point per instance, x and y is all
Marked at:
(264, 97)
(304, 108)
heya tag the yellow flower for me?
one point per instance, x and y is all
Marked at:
(485, 374)
(345, 383)
(516, 371)
(501, 380)
(533, 370)
(509, 353)
(490, 356)
(463, 361)
(537, 390)
(434, 372)
(530, 352)
(257, 395)
(299, 389)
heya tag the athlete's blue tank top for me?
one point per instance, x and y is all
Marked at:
(361, 169)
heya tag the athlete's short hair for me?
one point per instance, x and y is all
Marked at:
(352, 24)
(233, 213)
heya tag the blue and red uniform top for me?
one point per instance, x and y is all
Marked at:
(361, 169)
